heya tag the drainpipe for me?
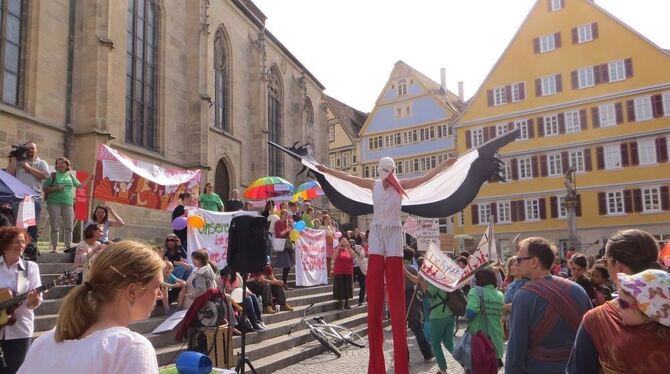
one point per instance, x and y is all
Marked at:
(69, 130)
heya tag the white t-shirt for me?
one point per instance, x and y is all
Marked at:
(113, 350)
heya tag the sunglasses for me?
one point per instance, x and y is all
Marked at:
(520, 259)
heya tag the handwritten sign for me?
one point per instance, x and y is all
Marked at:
(425, 230)
(310, 258)
(440, 270)
(214, 236)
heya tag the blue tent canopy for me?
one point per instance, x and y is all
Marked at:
(12, 189)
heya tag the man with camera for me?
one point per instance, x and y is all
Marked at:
(31, 171)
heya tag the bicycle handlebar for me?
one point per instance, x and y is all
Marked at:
(304, 313)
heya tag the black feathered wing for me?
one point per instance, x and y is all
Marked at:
(447, 193)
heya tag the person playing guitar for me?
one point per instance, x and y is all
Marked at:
(20, 277)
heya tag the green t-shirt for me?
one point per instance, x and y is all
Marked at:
(438, 307)
(66, 196)
(494, 301)
(307, 218)
(212, 202)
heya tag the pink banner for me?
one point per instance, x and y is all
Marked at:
(310, 258)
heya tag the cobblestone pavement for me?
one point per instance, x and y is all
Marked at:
(355, 361)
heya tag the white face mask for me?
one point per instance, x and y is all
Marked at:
(385, 167)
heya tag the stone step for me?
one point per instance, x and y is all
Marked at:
(47, 257)
(56, 267)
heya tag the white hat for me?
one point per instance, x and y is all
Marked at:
(385, 167)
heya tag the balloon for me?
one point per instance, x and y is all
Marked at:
(294, 235)
(300, 225)
(179, 223)
(197, 222)
(338, 235)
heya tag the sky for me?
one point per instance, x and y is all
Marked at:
(350, 46)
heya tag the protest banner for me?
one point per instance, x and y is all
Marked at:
(486, 252)
(81, 207)
(425, 230)
(121, 179)
(310, 258)
(214, 236)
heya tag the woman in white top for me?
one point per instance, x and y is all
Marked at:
(91, 334)
(20, 276)
(386, 258)
(106, 216)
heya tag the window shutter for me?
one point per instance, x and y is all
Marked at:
(521, 210)
(587, 159)
(618, 109)
(630, 108)
(510, 126)
(578, 208)
(562, 4)
(494, 212)
(594, 30)
(574, 82)
(531, 128)
(665, 198)
(582, 119)
(602, 203)
(543, 165)
(540, 127)
(559, 82)
(515, 170)
(629, 67)
(564, 162)
(600, 158)
(475, 214)
(595, 117)
(468, 140)
(596, 75)
(485, 130)
(634, 157)
(489, 97)
(661, 149)
(625, 161)
(536, 45)
(549, 5)
(522, 90)
(628, 201)
(561, 123)
(637, 200)
(557, 40)
(657, 105)
(553, 206)
(604, 73)
(512, 207)
(543, 208)
(575, 38)
(508, 93)
(538, 87)
(534, 166)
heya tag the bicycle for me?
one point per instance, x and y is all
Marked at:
(329, 335)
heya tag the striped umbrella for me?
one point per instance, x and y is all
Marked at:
(308, 191)
(268, 187)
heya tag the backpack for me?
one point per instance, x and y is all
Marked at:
(457, 302)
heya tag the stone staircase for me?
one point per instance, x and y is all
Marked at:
(269, 350)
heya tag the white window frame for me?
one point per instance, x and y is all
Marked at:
(643, 108)
(573, 122)
(484, 213)
(616, 205)
(617, 70)
(576, 159)
(477, 137)
(338, 161)
(523, 125)
(501, 129)
(504, 212)
(532, 209)
(331, 133)
(346, 159)
(651, 199)
(499, 96)
(612, 156)
(331, 160)
(402, 87)
(585, 77)
(562, 210)
(548, 85)
(516, 94)
(525, 166)
(666, 104)
(607, 115)
(551, 125)
(554, 164)
(547, 43)
(646, 151)
(556, 5)
(584, 33)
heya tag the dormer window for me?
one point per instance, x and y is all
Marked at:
(402, 87)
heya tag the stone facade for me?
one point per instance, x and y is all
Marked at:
(185, 90)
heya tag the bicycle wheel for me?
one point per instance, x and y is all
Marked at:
(355, 340)
(339, 335)
(325, 341)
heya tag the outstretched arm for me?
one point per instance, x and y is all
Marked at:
(415, 182)
(360, 182)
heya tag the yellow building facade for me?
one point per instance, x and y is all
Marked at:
(589, 92)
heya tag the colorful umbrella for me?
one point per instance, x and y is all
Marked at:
(308, 191)
(268, 187)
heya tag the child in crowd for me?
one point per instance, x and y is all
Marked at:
(170, 287)
(600, 278)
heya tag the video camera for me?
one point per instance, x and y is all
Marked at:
(19, 152)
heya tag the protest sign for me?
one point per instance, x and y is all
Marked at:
(425, 230)
(439, 269)
(310, 258)
(81, 207)
(214, 236)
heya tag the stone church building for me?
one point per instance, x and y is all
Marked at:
(193, 84)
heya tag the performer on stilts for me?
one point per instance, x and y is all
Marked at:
(385, 260)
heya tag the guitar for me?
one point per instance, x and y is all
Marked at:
(9, 302)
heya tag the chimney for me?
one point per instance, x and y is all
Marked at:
(461, 94)
(443, 79)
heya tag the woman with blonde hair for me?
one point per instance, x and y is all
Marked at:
(123, 286)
